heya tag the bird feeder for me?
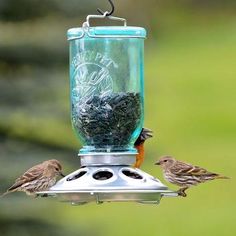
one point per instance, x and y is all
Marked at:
(107, 113)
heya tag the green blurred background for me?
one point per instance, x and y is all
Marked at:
(190, 88)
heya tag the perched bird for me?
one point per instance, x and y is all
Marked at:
(139, 145)
(185, 175)
(38, 178)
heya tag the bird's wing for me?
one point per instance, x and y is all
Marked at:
(197, 170)
(139, 145)
(143, 136)
(30, 175)
(182, 168)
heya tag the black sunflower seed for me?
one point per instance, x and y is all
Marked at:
(107, 120)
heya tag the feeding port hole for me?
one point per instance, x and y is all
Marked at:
(132, 174)
(80, 174)
(102, 175)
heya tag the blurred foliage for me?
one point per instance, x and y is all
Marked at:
(34, 227)
(190, 104)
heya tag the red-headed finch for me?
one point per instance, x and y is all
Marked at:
(139, 145)
(185, 175)
(38, 178)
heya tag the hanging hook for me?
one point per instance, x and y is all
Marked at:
(107, 13)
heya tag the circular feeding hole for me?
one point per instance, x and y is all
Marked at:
(80, 174)
(102, 175)
(132, 174)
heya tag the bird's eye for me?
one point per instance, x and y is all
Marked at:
(165, 160)
(57, 169)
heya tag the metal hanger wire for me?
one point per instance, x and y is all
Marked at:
(107, 13)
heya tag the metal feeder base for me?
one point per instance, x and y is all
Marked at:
(108, 183)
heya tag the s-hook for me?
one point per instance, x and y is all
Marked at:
(107, 13)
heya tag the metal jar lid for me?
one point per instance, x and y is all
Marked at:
(106, 31)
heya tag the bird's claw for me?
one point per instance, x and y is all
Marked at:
(181, 192)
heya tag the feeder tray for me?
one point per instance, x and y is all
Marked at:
(108, 181)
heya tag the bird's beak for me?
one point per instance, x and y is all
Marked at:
(157, 163)
(61, 174)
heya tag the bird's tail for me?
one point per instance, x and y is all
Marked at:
(221, 177)
(4, 194)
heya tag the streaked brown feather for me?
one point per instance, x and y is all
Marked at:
(180, 167)
(30, 175)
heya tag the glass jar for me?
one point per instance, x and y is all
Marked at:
(106, 86)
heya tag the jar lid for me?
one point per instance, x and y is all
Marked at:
(107, 32)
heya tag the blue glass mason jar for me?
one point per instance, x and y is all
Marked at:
(106, 86)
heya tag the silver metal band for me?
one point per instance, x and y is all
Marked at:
(108, 159)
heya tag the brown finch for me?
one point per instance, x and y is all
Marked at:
(139, 145)
(38, 178)
(185, 175)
